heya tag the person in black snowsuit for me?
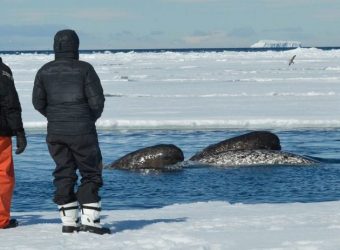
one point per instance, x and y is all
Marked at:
(10, 125)
(69, 94)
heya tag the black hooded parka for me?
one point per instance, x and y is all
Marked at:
(10, 108)
(68, 91)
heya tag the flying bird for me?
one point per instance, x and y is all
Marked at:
(291, 61)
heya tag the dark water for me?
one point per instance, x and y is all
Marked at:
(127, 190)
(181, 50)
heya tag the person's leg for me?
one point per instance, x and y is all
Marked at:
(88, 157)
(65, 179)
(7, 180)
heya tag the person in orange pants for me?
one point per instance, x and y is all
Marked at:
(10, 125)
(6, 179)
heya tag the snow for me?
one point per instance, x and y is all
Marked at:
(191, 90)
(276, 44)
(204, 225)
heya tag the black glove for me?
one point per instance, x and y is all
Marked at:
(21, 142)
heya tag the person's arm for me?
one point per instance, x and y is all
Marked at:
(12, 109)
(39, 95)
(94, 93)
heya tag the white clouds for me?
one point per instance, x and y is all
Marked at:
(329, 15)
(83, 14)
(193, 1)
(100, 14)
(202, 38)
(27, 37)
(286, 2)
(29, 30)
(242, 32)
(12, 1)
(294, 3)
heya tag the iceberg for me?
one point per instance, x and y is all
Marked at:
(276, 44)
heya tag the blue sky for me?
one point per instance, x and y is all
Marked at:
(124, 24)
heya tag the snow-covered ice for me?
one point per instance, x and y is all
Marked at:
(204, 225)
(227, 89)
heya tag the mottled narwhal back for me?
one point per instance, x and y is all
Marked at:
(156, 157)
(256, 157)
(262, 140)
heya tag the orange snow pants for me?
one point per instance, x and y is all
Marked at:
(6, 179)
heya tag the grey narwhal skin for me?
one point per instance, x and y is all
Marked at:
(156, 157)
(255, 157)
(262, 140)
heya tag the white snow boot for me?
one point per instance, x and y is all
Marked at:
(90, 221)
(69, 217)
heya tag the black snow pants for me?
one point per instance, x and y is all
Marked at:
(70, 153)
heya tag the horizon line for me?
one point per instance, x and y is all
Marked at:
(179, 49)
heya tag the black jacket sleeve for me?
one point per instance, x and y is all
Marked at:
(10, 104)
(94, 92)
(39, 95)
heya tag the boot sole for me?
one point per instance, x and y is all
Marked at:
(70, 229)
(12, 224)
(95, 230)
